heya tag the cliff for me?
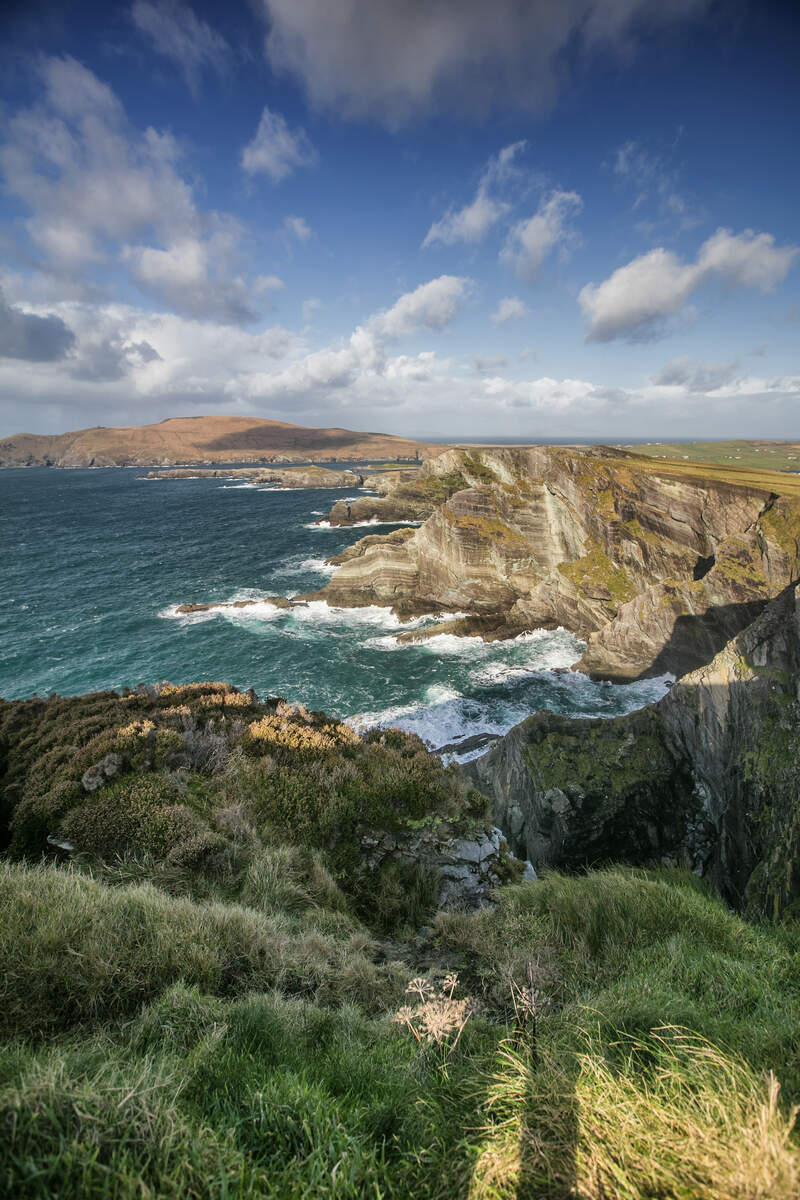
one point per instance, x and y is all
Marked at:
(656, 565)
(209, 440)
(707, 778)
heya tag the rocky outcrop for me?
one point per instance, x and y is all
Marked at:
(709, 777)
(654, 565)
(288, 477)
(467, 867)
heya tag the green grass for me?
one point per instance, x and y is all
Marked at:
(176, 1048)
(770, 456)
(199, 1002)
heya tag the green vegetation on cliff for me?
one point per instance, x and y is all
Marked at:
(198, 998)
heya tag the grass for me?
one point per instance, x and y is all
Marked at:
(202, 1002)
(177, 1048)
(773, 456)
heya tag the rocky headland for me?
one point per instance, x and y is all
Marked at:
(706, 778)
(656, 564)
(205, 441)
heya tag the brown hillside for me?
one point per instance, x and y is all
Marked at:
(204, 440)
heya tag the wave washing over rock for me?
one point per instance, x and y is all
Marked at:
(123, 558)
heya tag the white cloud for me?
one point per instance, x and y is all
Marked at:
(174, 31)
(102, 194)
(297, 227)
(276, 150)
(656, 184)
(430, 306)
(391, 61)
(637, 299)
(747, 259)
(126, 364)
(529, 242)
(310, 308)
(268, 283)
(473, 222)
(192, 277)
(510, 308)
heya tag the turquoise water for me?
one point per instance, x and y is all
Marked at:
(95, 562)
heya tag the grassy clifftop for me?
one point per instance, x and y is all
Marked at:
(207, 996)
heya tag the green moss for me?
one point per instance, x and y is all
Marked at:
(594, 571)
(488, 529)
(606, 760)
(781, 524)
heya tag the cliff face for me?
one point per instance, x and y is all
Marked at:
(658, 568)
(708, 777)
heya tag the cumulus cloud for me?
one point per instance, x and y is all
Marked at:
(430, 306)
(127, 361)
(174, 31)
(276, 150)
(747, 259)
(32, 338)
(472, 222)
(297, 228)
(637, 299)
(101, 194)
(191, 276)
(510, 308)
(529, 242)
(397, 59)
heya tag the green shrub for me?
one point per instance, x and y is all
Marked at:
(137, 813)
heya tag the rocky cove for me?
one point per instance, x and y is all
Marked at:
(657, 566)
(661, 570)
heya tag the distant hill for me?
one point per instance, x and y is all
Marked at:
(204, 440)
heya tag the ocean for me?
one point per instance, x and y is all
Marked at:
(95, 562)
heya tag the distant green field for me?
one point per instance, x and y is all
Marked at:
(772, 456)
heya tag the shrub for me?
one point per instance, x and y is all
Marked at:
(136, 814)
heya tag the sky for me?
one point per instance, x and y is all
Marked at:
(438, 218)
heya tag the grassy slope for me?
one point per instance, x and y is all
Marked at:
(773, 456)
(213, 1018)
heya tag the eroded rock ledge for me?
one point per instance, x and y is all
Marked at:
(707, 778)
(655, 565)
(290, 477)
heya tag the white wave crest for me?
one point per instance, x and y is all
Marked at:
(372, 522)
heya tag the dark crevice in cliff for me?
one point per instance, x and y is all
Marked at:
(703, 566)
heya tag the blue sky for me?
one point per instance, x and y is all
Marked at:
(572, 218)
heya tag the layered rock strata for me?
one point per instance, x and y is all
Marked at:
(656, 567)
(708, 777)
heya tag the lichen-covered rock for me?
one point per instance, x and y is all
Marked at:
(467, 867)
(101, 773)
